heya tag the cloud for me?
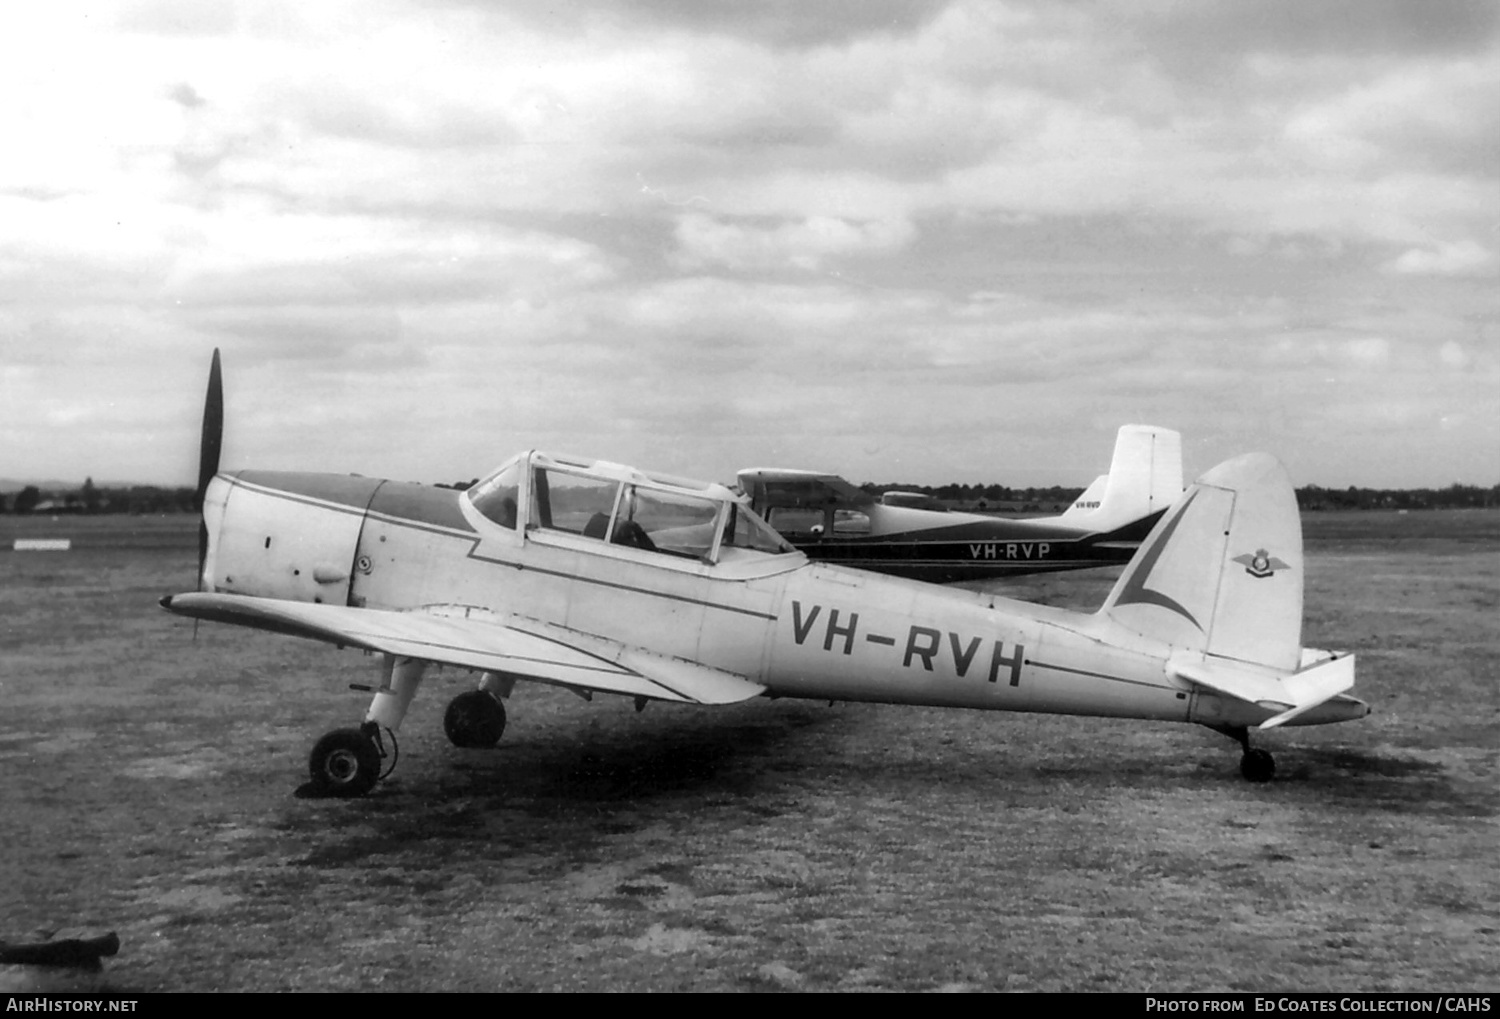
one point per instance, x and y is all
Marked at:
(1464, 258)
(769, 22)
(1452, 355)
(808, 244)
(945, 235)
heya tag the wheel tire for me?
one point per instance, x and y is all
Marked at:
(345, 762)
(1257, 766)
(474, 720)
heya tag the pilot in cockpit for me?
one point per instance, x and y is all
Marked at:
(627, 531)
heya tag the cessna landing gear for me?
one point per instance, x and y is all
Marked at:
(474, 720)
(346, 762)
(1256, 765)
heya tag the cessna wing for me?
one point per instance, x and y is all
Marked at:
(474, 638)
(805, 488)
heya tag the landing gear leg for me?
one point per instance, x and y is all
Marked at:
(1255, 765)
(347, 762)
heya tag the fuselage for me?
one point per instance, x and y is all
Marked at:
(803, 629)
(945, 548)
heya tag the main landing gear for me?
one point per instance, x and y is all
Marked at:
(474, 720)
(348, 762)
(1256, 765)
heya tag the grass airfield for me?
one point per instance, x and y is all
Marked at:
(148, 783)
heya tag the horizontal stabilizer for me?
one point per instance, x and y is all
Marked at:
(1289, 696)
(478, 639)
(1313, 686)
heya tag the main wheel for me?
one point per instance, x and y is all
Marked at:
(474, 720)
(345, 762)
(1257, 765)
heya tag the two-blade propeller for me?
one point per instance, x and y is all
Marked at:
(208, 454)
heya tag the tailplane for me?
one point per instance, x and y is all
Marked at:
(1145, 477)
(1220, 579)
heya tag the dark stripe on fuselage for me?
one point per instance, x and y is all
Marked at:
(952, 561)
(348, 492)
(398, 502)
(977, 550)
(407, 503)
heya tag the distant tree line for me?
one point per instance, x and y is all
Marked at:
(1453, 497)
(94, 499)
(996, 498)
(1311, 498)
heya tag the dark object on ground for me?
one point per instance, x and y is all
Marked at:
(82, 953)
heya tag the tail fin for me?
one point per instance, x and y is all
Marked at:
(1145, 477)
(1221, 573)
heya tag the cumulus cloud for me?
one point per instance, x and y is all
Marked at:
(808, 244)
(909, 222)
(1463, 258)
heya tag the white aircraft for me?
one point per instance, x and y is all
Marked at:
(604, 579)
(907, 535)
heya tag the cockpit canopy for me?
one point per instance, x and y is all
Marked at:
(622, 506)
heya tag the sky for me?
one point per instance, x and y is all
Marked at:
(910, 241)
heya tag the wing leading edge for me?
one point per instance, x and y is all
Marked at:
(474, 638)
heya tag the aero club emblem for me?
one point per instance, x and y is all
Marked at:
(1261, 564)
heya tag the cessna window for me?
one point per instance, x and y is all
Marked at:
(850, 522)
(496, 496)
(797, 520)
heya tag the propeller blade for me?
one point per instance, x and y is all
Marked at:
(213, 431)
(208, 453)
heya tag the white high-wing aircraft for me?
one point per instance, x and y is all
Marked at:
(601, 578)
(834, 522)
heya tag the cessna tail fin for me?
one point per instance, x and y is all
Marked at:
(1221, 573)
(1145, 477)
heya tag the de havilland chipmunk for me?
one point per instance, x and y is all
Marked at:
(604, 579)
(835, 522)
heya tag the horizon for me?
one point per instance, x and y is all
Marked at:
(907, 238)
(9, 486)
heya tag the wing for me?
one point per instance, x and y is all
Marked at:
(473, 638)
(806, 483)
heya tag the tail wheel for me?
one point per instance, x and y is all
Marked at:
(474, 720)
(1257, 765)
(345, 762)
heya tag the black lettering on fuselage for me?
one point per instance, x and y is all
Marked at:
(997, 659)
(922, 642)
(963, 657)
(801, 629)
(834, 630)
(924, 652)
